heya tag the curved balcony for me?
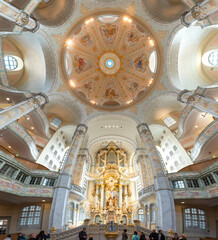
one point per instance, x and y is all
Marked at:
(16, 179)
(145, 192)
(182, 120)
(196, 185)
(37, 117)
(19, 141)
(78, 191)
(206, 143)
(203, 100)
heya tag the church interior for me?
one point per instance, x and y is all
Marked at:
(108, 118)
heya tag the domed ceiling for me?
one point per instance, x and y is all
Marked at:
(110, 61)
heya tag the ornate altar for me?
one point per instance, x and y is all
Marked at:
(111, 230)
(111, 191)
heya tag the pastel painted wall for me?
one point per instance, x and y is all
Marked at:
(211, 218)
(14, 211)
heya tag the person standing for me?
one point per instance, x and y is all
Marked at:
(142, 236)
(8, 237)
(153, 235)
(160, 235)
(175, 237)
(90, 237)
(42, 236)
(83, 234)
(183, 237)
(32, 236)
(135, 236)
(124, 235)
(21, 237)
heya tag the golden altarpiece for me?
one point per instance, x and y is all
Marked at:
(112, 187)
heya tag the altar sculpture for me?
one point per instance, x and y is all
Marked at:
(111, 191)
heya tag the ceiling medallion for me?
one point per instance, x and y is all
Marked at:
(110, 60)
(109, 63)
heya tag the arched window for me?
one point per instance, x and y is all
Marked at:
(97, 219)
(81, 214)
(50, 162)
(55, 152)
(146, 215)
(56, 122)
(169, 121)
(195, 218)
(124, 219)
(213, 58)
(153, 213)
(153, 61)
(10, 63)
(30, 215)
(52, 147)
(141, 215)
(210, 58)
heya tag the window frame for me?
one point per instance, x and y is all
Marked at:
(56, 122)
(209, 179)
(190, 182)
(176, 183)
(169, 121)
(31, 226)
(216, 56)
(141, 215)
(153, 213)
(7, 225)
(196, 219)
(8, 65)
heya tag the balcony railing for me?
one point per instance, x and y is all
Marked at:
(197, 185)
(208, 133)
(15, 178)
(77, 190)
(146, 192)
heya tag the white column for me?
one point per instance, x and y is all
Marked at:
(63, 187)
(164, 195)
(102, 196)
(13, 113)
(120, 195)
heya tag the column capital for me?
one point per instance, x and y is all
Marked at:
(81, 129)
(180, 96)
(23, 19)
(144, 130)
(39, 99)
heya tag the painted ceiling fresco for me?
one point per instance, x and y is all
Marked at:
(110, 60)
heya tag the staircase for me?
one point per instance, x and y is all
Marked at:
(99, 232)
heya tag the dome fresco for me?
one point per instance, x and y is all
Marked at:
(110, 60)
